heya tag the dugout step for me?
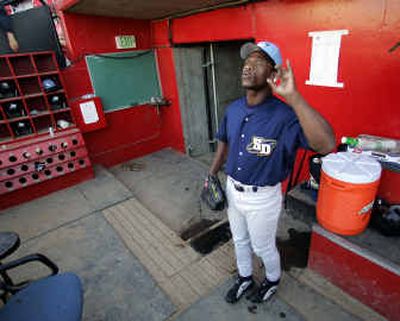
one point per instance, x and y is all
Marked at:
(366, 266)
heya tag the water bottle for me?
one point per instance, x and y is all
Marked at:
(375, 143)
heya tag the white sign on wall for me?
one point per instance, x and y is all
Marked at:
(125, 42)
(325, 58)
(89, 112)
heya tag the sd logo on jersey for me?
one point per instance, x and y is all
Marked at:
(261, 146)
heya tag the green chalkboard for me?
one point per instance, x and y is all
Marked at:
(124, 80)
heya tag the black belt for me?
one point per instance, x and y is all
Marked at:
(241, 188)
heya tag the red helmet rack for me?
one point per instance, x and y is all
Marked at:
(39, 140)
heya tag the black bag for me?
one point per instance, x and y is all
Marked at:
(213, 194)
(386, 218)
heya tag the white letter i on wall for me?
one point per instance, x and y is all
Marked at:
(325, 58)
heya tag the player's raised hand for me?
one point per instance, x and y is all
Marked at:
(282, 82)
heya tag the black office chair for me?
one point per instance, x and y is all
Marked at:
(55, 297)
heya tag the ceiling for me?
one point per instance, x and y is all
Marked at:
(143, 9)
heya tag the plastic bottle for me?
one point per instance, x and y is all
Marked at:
(375, 143)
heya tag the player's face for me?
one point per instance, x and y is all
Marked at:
(256, 70)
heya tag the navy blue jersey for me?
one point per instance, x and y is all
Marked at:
(262, 141)
(5, 20)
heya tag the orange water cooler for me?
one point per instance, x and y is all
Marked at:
(348, 186)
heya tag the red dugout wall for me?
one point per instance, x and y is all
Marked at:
(368, 66)
(130, 132)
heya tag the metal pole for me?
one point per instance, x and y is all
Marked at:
(214, 86)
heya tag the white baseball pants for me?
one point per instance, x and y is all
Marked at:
(253, 218)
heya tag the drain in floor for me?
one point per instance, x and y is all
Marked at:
(294, 251)
(212, 239)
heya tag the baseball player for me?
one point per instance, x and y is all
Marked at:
(258, 138)
(6, 24)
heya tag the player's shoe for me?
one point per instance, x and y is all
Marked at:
(240, 287)
(266, 290)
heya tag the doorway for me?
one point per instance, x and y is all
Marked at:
(208, 77)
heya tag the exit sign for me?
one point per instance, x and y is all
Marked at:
(125, 42)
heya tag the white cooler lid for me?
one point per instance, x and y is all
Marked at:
(351, 167)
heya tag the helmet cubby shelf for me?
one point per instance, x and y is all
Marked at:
(32, 97)
(41, 148)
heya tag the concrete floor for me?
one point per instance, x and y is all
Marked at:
(169, 185)
(69, 227)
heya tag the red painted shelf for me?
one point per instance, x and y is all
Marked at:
(32, 96)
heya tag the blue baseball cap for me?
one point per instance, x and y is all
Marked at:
(266, 47)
